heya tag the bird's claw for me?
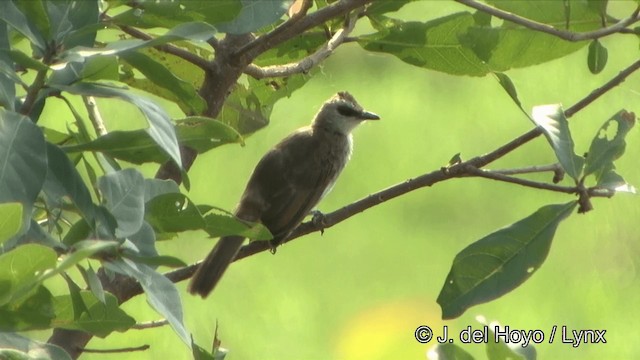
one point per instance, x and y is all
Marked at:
(318, 220)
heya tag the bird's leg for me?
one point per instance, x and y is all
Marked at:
(318, 220)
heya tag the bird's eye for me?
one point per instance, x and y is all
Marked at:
(348, 111)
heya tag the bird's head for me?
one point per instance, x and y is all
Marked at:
(342, 114)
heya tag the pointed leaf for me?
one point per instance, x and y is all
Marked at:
(182, 91)
(123, 192)
(63, 180)
(93, 282)
(555, 126)
(199, 133)
(501, 261)
(11, 15)
(160, 129)
(597, 58)
(80, 251)
(101, 319)
(161, 293)
(196, 31)
(222, 225)
(508, 86)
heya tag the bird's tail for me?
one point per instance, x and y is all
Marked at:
(214, 265)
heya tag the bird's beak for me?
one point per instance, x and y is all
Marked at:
(365, 115)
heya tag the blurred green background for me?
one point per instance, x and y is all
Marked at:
(360, 290)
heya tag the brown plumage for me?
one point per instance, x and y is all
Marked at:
(289, 181)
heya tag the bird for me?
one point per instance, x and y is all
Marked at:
(288, 182)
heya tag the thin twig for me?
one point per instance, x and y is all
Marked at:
(563, 34)
(529, 169)
(112, 351)
(150, 324)
(306, 64)
(595, 94)
(473, 171)
(94, 115)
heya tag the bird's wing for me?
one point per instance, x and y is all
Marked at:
(287, 184)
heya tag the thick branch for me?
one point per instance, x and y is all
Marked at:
(296, 26)
(304, 65)
(563, 34)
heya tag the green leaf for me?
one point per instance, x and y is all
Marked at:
(144, 241)
(10, 220)
(582, 18)
(8, 76)
(31, 313)
(93, 282)
(35, 11)
(608, 178)
(161, 293)
(26, 61)
(173, 212)
(123, 192)
(222, 225)
(196, 31)
(63, 180)
(160, 129)
(203, 134)
(20, 269)
(100, 68)
(155, 187)
(200, 353)
(182, 91)
(33, 348)
(501, 261)
(609, 143)
(167, 14)
(80, 251)
(448, 351)
(23, 162)
(11, 15)
(433, 45)
(254, 15)
(199, 133)
(555, 126)
(101, 319)
(158, 260)
(597, 58)
(508, 86)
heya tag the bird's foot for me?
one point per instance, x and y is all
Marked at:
(273, 246)
(318, 220)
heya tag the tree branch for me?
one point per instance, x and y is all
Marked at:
(94, 115)
(563, 34)
(304, 65)
(120, 350)
(296, 26)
